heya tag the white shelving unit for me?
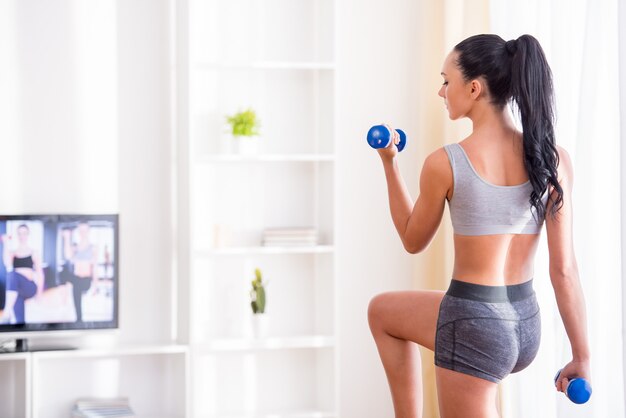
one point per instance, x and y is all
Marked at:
(266, 158)
(45, 384)
(260, 250)
(15, 383)
(267, 343)
(267, 65)
(276, 56)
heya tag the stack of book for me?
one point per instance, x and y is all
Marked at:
(97, 408)
(286, 237)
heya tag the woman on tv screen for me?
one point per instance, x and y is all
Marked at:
(83, 259)
(25, 277)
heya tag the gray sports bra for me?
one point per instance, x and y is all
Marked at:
(85, 254)
(478, 207)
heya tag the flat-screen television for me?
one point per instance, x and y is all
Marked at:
(58, 272)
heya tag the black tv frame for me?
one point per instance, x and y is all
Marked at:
(69, 326)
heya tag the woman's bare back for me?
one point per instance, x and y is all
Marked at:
(498, 259)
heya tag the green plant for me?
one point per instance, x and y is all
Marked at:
(244, 123)
(257, 294)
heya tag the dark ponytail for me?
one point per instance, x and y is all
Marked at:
(517, 72)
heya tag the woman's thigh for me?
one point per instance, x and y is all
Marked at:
(21, 284)
(463, 396)
(409, 315)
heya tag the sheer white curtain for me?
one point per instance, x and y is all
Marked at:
(580, 38)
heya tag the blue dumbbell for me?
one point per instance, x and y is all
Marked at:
(379, 136)
(578, 389)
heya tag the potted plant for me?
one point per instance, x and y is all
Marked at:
(257, 301)
(244, 129)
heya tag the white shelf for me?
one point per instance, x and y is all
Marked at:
(158, 416)
(267, 65)
(226, 158)
(112, 351)
(13, 356)
(286, 414)
(262, 250)
(268, 343)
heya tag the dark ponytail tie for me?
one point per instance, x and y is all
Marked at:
(511, 46)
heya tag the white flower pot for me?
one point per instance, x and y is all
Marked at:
(247, 145)
(260, 325)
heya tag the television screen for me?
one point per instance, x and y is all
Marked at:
(58, 272)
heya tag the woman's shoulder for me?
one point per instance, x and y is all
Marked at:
(437, 169)
(565, 170)
(562, 152)
(438, 160)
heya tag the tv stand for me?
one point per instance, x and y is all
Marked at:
(32, 379)
(22, 346)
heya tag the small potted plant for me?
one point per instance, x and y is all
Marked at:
(257, 301)
(244, 129)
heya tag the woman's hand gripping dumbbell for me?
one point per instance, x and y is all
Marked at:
(382, 136)
(578, 390)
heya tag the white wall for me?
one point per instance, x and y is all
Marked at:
(59, 131)
(622, 100)
(85, 128)
(145, 169)
(387, 70)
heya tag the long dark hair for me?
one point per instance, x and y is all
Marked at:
(517, 72)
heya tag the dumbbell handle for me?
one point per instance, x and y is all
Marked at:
(578, 389)
(379, 136)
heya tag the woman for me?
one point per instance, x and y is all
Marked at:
(26, 278)
(500, 184)
(82, 259)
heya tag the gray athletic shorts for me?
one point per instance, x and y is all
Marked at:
(487, 331)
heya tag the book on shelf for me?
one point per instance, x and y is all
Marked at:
(102, 407)
(290, 237)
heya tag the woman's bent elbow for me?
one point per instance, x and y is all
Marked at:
(411, 248)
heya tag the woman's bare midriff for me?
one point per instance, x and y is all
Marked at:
(82, 268)
(494, 260)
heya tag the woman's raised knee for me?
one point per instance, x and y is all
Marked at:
(375, 311)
